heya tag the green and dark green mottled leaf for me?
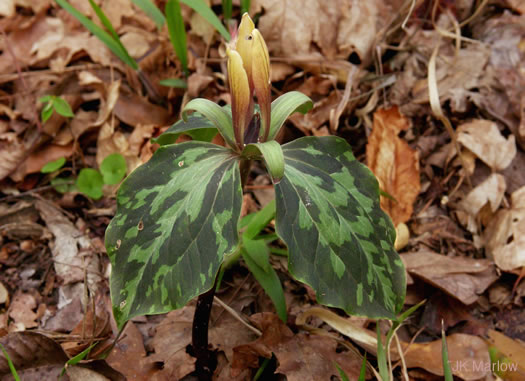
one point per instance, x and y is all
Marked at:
(177, 216)
(197, 126)
(340, 242)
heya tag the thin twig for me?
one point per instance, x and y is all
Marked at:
(234, 313)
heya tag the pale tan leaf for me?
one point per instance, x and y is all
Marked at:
(490, 191)
(7, 8)
(504, 236)
(484, 139)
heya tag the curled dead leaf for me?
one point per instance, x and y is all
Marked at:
(33, 354)
(504, 236)
(484, 139)
(462, 278)
(394, 163)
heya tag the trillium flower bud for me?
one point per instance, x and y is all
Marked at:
(249, 75)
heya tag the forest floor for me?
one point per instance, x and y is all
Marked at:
(429, 94)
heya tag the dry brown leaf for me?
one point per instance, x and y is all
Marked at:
(484, 139)
(12, 152)
(301, 357)
(172, 336)
(320, 114)
(394, 163)
(134, 110)
(34, 356)
(502, 88)
(512, 349)
(38, 159)
(31, 43)
(337, 28)
(468, 356)
(72, 250)
(463, 348)
(518, 5)
(463, 278)
(22, 311)
(129, 356)
(504, 236)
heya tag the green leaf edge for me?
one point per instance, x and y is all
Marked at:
(216, 114)
(272, 154)
(286, 105)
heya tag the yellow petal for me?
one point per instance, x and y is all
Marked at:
(244, 43)
(240, 93)
(261, 79)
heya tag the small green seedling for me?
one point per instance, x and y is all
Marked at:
(89, 181)
(57, 104)
(112, 170)
(53, 166)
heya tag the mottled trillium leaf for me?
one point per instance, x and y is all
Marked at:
(286, 105)
(220, 117)
(272, 154)
(177, 216)
(340, 242)
(196, 126)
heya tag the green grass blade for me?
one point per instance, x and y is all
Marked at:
(447, 372)
(245, 6)
(10, 363)
(261, 370)
(177, 32)
(152, 11)
(107, 24)
(116, 47)
(76, 359)
(381, 356)
(174, 82)
(105, 21)
(202, 9)
(342, 373)
(362, 373)
(227, 9)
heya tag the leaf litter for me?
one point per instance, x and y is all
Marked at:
(461, 213)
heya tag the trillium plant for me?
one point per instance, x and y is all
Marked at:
(177, 219)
